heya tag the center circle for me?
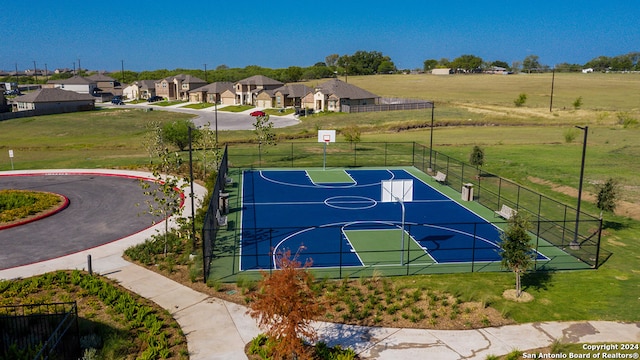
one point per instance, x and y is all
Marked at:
(350, 202)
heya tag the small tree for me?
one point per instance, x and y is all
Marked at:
(608, 195)
(153, 141)
(285, 306)
(477, 156)
(263, 128)
(516, 249)
(522, 98)
(177, 133)
(577, 103)
(164, 195)
(210, 154)
(351, 134)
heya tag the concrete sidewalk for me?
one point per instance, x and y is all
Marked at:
(217, 329)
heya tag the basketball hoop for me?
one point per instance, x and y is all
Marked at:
(326, 137)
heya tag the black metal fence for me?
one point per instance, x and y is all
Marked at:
(41, 331)
(555, 224)
(576, 233)
(216, 210)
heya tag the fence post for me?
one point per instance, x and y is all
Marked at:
(597, 264)
(473, 247)
(89, 265)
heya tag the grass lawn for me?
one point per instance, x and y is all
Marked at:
(525, 144)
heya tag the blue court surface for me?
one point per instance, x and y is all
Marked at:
(347, 223)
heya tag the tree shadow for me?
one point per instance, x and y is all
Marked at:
(614, 225)
(537, 280)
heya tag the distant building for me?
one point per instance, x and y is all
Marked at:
(142, 89)
(587, 70)
(178, 87)
(75, 83)
(442, 71)
(53, 101)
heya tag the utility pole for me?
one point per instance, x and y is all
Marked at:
(553, 78)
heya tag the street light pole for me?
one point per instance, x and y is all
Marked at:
(575, 243)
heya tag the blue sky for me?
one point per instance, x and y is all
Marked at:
(149, 35)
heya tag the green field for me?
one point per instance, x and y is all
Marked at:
(526, 144)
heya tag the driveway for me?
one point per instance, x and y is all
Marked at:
(226, 120)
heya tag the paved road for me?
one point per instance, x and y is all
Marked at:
(101, 209)
(226, 120)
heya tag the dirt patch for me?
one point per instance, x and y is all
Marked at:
(624, 208)
(511, 295)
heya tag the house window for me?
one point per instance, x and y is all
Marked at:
(164, 85)
(278, 100)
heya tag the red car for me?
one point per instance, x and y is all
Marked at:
(258, 113)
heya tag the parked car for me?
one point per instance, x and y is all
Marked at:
(258, 113)
(155, 98)
(117, 102)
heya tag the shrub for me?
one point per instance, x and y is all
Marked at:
(522, 98)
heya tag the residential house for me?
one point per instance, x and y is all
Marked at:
(290, 95)
(178, 87)
(333, 94)
(211, 93)
(142, 89)
(247, 89)
(106, 84)
(76, 83)
(52, 101)
(264, 98)
(228, 97)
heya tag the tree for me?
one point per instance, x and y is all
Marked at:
(153, 141)
(477, 156)
(386, 67)
(468, 63)
(351, 134)
(516, 249)
(429, 64)
(177, 133)
(608, 194)
(502, 64)
(210, 153)
(286, 305)
(263, 128)
(531, 63)
(164, 194)
(331, 60)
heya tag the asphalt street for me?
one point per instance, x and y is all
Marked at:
(225, 120)
(101, 209)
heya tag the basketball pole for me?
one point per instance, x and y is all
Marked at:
(324, 157)
(402, 229)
